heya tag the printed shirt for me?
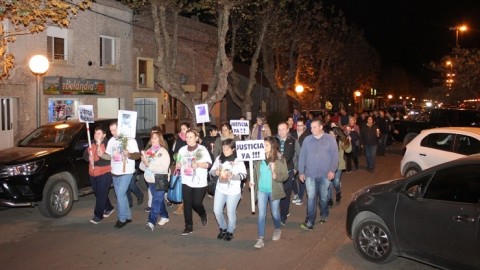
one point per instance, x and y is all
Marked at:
(115, 150)
(233, 186)
(191, 177)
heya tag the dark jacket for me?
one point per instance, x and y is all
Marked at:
(384, 124)
(288, 151)
(302, 137)
(368, 135)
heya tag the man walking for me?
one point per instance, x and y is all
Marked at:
(286, 146)
(122, 152)
(317, 164)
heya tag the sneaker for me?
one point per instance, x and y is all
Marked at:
(299, 202)
(95, 220)
(259, 243)
(121, 224)
(330, 203)
(163, 221)
(149, 226)
(147, 209)
(295, 199)
(221, 234)
(288, 214)
(204, 221)
(305, 226)
(283, 222)
(108, 213)
(276, 235)
(228, 236)
(323, 220)
(188, 230)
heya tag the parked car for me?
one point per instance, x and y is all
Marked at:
(432, 217)
(439, 145)
(47, 168)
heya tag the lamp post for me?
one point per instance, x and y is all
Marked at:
(38, 64)
(461, 28)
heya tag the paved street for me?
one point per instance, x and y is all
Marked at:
(30, 241)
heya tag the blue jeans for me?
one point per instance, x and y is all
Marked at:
(298, 188)
(158, 204)
(219, 202)
(317, 192)
(370, 153)
(336, 184)
(134, 189)
(121, 183)
(101, 186)
(263, 199)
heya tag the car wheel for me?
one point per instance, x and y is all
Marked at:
(57, 198)
(373, 241)
(412, 171)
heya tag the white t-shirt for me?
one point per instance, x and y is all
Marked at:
(114, 149)
(236, 167)
(195, 178)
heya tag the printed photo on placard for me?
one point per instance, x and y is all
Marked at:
(201, 113)
(127, 123)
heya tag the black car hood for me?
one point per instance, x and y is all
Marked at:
(384, 186)
(16, 155)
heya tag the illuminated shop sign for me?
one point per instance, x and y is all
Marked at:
(56, 85)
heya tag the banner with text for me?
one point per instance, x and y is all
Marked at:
(85, 113)
(250, 150)
(240, 127)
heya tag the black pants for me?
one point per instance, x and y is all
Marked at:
(101, 186)
(193, 200)
(352, 156)
(285, 202)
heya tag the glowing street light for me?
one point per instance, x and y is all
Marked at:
(299, 88)
(38, 64)
(461, 28)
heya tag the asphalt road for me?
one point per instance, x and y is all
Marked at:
(30, 241)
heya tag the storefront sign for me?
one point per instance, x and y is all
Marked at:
(56, 85)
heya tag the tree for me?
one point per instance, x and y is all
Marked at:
(29, 17)
(465, 65)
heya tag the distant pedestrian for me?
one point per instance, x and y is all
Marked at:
(230, 173)
(269, 175)
(261, 129)
(317, 164)
(180, 142)
(299, 187)
(369, 135)
(353, 131)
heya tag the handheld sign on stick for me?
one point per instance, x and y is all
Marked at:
(85, 114)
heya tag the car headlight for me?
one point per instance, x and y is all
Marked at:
(28, 168)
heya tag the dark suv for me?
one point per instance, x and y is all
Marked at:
(47, 168)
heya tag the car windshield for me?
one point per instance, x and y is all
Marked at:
(51, 136)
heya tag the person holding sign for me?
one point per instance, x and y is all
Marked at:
(122, 152)
(230, 173)
(193, 165)
(269, 175)
(100, 176)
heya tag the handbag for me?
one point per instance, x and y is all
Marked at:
(211, 184)
(174, 193)
(161, 182)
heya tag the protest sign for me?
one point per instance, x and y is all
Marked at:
(240, 127)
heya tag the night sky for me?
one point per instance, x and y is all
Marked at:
(411, 33)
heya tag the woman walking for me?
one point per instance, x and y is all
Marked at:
(269, 177)
(155, 163)
(230, 173)
(194, 161)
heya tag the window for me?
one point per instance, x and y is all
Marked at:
(107, 51)
(145, 73)
(146, 113)
(440, 141)
(56, 44)
(460, 183)
(467, 145)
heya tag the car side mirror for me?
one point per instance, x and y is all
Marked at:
(414, 191)
(81, 145)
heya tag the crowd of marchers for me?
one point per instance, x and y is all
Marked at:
(307, 155)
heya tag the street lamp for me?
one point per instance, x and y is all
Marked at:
(461, 28)
(357, 99)
(299, 88)
(38, 64)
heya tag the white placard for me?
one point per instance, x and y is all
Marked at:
(85, 113)
(201, 113)
(250, 150)
(240, 127)
(127, 123)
